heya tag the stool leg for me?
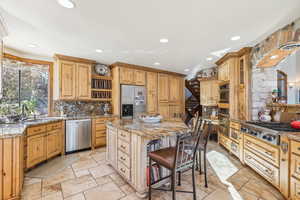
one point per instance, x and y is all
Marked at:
(179, 178)
(194, 184)
(150, 174)
(205, 170)
(173, 185)
(200, 160)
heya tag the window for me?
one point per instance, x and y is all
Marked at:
(24, 83)
(282, 85)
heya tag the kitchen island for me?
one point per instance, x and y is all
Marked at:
(129, 141)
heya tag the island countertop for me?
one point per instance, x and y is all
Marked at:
(150, 130)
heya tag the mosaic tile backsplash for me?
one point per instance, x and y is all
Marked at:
(71, 108)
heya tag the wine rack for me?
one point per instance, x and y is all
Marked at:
(101, 88)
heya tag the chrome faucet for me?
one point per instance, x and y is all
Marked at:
(23, 114)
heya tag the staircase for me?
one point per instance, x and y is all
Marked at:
(192, 101)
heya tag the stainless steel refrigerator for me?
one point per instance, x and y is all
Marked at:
(133, 100)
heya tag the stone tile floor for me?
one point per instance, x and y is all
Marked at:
(86, 176)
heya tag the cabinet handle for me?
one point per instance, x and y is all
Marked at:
(122, 158)
(269, 153)
(298, 148)
(123, 147)
(122, 170)
(4, 174)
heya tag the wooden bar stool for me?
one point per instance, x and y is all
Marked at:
(177, 159)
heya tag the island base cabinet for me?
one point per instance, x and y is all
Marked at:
(111, 146)
(11, 168)
(295, 189)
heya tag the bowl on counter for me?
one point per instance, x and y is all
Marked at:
(150, 118)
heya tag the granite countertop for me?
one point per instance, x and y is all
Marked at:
(149, 130)
(293, 135)
(18, 129)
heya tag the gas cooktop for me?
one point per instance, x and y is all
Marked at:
(277, 126)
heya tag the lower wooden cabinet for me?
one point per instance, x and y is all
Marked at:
(45, 143)
(171, 112)
(36, 149)
(112, 148)
(99, 132)
(11, 167)
(295, 189)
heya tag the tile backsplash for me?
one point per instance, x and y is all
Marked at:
(78, 108)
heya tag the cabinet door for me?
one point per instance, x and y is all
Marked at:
(152, 92)
(175, 112)
(126, 75)
(223, 72)
(163, 88)
(83, 81)
(174, 89)
(214, 92)
(139, 77)
(36, 149)
(163, 110)
(67, 80)
(53, 143)
(295, 189)
(111, 153)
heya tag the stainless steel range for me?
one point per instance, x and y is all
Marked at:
(267, 131)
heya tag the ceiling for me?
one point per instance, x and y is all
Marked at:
(129, 31)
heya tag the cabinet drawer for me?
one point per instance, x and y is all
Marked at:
(100, 127)
(100, 133)
(295, 189)
(124, 146)
(124, 170)
(53, 126)
(295, 147)
(100, 120)
(124, 158)
(264, 150)
(36, 130)
(262, 167)
(124, 135)
(224, 141)
(235, 148)
(295, 166)
(100, 141)
(235, 125)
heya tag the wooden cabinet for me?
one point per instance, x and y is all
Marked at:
(11, 167)
(53, 141)
(112, 148)
(223, 72)
(209, 91)
(83, 81)
(72, 78)
(99, 131)
(131, 76)
(163, 110)
(139, 77)
(152, 92)
(36, 150)
(43, 142)
(295, 170)
(295, 189)
(175, 89)
(126, 75)
(175, 113)
(163, 88)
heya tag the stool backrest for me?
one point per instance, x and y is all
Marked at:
(187, 145)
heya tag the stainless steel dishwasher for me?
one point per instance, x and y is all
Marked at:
(78, 135)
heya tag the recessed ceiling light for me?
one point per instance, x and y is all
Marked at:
(274, 57)
(99, 50)
(209, 58)
(156, 63)
(32, 45)
(186, 70)
(66, 3)
(164, 40)
(234, 38)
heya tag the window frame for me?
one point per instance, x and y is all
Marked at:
(284, 79)
(50, 71)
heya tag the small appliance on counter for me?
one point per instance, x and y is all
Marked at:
(133, 101)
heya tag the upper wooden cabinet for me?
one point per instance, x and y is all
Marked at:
(175, 89)
(67, 79)
(126, 75)
(131, 76)
(209, 93)
(163, 87)
(223, 72)
(139, 77)
(72, 78)
(151, 92)
(83, 81)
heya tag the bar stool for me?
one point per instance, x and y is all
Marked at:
(178, 159)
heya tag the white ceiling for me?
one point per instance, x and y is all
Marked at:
(129, 31)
